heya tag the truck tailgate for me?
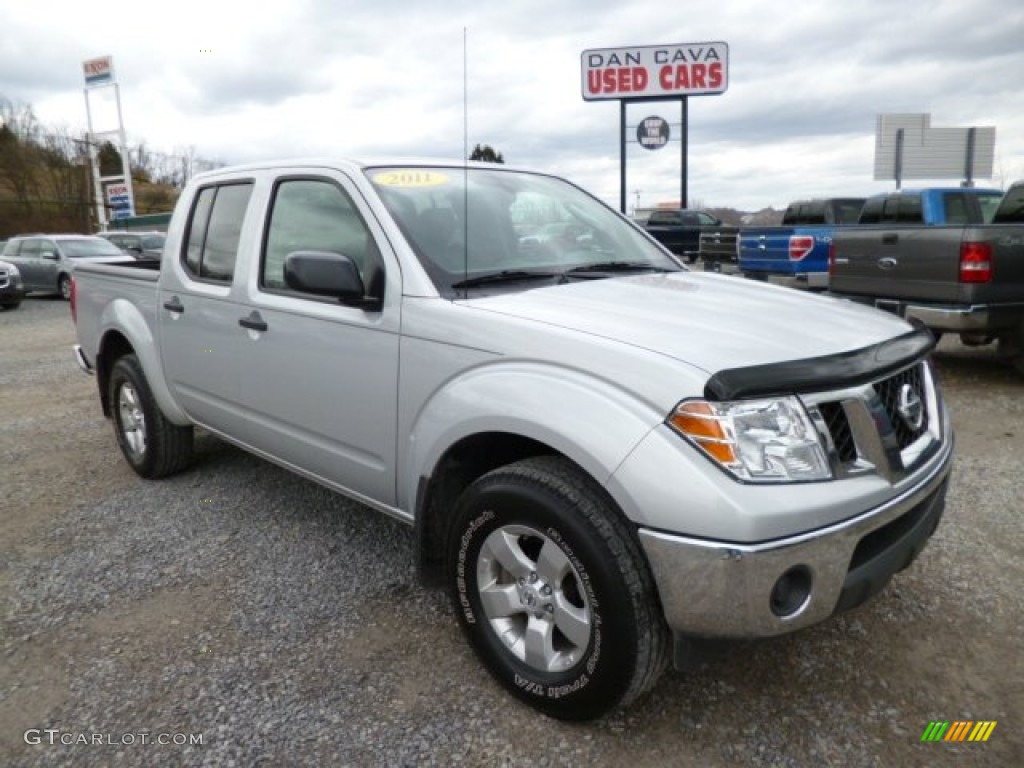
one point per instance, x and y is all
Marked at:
(909, 263)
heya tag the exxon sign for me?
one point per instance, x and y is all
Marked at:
(662, 71)
(99, 71)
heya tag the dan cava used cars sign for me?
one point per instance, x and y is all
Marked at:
(687, 69)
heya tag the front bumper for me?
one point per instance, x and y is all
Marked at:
(11, 292)
(722, 589)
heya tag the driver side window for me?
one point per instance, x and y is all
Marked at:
(315, 215)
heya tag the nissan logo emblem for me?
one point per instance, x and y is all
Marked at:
(910, 407)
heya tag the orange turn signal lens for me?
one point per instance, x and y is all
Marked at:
(699, 422)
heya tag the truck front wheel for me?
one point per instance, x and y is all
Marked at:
(552, 590)
(153, 446)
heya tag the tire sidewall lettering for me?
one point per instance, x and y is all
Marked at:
(461, 586)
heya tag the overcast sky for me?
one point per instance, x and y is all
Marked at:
(242, 81)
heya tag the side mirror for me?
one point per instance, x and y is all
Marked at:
(324, 273)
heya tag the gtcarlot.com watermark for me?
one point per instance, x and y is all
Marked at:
(55, 736)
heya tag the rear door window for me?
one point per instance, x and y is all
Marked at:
(214, 230)
(872, 211)
(910, 210)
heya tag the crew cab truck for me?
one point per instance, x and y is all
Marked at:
(601, 454)
(965, 277)
(679, 229)
(795, 254)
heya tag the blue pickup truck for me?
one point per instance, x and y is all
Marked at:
(796, 253)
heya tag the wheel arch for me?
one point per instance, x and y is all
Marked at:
(124, 330)
(591, 422)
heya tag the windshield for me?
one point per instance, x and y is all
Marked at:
(87, 247)
(512, 223)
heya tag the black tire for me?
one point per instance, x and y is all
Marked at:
(64, 287)
(1011, 348)
(13, 305)
(164, 448)
(615, 644)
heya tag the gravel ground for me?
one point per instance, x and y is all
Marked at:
(284, 625)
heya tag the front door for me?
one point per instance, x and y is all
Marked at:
(319, 383)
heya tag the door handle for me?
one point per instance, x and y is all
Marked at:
(890, 239)
(887, 262)
(254, 322)
(174, 305)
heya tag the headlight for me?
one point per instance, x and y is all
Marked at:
(769, 440)
(13, 271)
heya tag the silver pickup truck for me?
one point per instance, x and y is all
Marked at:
(602, 454)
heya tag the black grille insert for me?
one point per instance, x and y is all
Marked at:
(839, 428)
(891, 390)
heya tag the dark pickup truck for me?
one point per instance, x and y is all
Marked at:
(679, 229)
(966, 279)
(718, 250)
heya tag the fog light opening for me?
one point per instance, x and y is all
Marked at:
(791, 592)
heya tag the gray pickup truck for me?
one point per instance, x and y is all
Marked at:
(965, 278)
(602, 454)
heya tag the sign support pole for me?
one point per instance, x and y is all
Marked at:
(125, 163)
(101, 215)
(622, 156)
(683, 167)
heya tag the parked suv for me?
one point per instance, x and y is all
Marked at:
(47, 261)
(141, 245)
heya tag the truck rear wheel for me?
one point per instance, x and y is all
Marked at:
(152, 445)
(1011, 348)
(552, 590)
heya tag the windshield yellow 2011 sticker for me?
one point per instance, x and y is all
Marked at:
(410, 177)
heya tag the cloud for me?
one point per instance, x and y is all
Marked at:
(242, 82)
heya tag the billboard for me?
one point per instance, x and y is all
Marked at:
(908, 147)
(659, 71)
(99, 71)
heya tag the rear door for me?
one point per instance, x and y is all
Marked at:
(198, 315)
(39, 258)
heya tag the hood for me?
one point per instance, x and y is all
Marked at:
(713, 322)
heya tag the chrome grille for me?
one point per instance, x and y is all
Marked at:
(889, 391)
(871, 428)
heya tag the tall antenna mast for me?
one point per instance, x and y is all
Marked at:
(465, 161)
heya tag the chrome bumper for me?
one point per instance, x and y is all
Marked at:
(82, 360)
(721, 589)
(966, 319)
